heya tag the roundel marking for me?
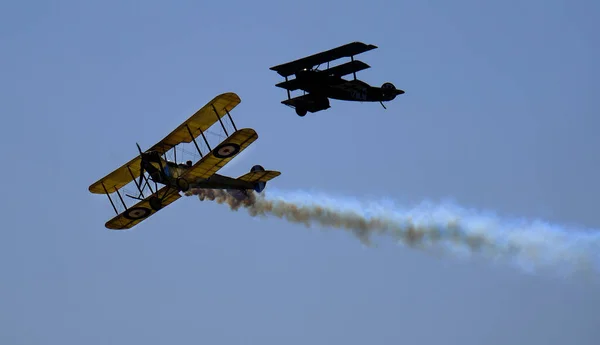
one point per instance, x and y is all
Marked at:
(137, 213)
(226, 150)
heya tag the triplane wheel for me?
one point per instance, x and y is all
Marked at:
(300, 111)
(183, 184)
(155, 203)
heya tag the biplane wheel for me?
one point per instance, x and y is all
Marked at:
(300, 112)
(226, 150)
(137, 213)
(155, 203)
(183, 184)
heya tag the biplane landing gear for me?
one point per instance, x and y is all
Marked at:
(182, 184)
(300, 111)
(155, 203)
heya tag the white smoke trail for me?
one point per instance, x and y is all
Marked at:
(438, 228)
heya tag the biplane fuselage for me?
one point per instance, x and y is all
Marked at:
(170, 173)
(321, 85)
(152, 166)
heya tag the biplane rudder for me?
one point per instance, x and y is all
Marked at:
(260, 185)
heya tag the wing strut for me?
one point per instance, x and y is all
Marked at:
(353, 73)
(136, 184)
(194, 140)
(221, 121)
(109, 198)
(288, 90)
(148, 184)
(230, 119)
(120, 197)
(204, 137)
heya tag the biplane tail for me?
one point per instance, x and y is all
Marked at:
(259, 176)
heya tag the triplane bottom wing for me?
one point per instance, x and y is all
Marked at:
(142, 210)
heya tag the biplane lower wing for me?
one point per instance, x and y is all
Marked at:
(221, 155)
(142, 210)
(347, 50)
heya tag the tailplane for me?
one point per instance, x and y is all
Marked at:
(259, 176)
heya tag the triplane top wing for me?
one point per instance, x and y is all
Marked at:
(347, 50)
(178, 178)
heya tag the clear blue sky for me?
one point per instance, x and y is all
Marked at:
(500, 113)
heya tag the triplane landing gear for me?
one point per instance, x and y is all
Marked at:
(310, 103)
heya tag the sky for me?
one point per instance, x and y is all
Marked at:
(499, 114)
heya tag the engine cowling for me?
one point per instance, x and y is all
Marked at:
(258, 186)
(389, 90)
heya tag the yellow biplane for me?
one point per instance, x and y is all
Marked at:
(177, 178)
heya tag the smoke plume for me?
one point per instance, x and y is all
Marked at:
(442, 228)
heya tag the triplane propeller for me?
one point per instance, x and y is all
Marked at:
(151, 166)
(320, 85)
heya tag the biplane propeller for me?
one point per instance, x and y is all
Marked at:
(321, 85)
(152, 166)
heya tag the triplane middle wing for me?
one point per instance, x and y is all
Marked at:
(180, 177)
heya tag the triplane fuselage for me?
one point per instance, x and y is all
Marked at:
(181, 177)
(321, 85)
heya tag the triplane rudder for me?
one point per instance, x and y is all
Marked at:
(321, 85)
(153, 167)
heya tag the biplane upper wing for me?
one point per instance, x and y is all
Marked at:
(221, 155)
(204, 118)
(346, 50)
(142, 210)
(118, 178)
